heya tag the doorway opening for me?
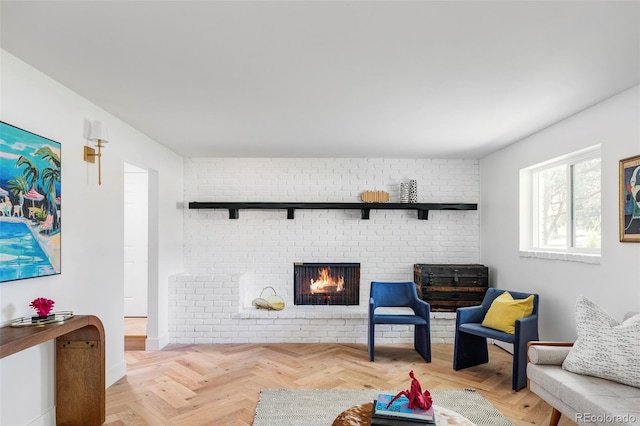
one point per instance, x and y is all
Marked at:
(136, 256)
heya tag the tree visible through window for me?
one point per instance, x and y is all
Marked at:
(566, 200)
(552, 202)
(587, 204)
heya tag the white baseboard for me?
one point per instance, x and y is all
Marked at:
(116, 372)
(156, 344)
(48, 418)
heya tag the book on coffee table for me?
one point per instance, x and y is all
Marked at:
(385, 421)
(400, 411)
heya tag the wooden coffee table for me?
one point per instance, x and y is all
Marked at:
(360, 415)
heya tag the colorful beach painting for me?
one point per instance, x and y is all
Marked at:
(30, 204)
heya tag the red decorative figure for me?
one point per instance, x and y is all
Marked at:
(416, 397)
(42, 305)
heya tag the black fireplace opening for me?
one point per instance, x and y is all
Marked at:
(326, 283)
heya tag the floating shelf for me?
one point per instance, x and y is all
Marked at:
(365, 208)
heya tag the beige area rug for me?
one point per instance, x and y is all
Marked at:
(282, 407)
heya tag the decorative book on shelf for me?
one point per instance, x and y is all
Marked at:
(400, 411)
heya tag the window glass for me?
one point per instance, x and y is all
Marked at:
(586, 190)
(552, 207)
(565, 203)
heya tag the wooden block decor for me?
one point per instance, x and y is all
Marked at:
(375, 197)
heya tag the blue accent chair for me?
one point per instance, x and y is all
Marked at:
(400, 294)
(470, 346)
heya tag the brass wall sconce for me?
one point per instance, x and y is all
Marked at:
(98, 134)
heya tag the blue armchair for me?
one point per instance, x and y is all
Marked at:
(400, 295)
(470, 346)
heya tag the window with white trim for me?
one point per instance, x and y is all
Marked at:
(560, 204)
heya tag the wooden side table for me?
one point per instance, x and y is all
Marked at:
(80, 365)
(360, 415)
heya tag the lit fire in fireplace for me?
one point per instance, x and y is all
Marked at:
(326, 283)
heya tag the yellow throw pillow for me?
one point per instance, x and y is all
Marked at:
(505, 310)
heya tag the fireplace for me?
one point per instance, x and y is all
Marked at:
(326, 283)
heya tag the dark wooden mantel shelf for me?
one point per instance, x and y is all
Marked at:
(365, 208)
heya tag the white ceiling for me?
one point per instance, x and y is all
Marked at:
(424, 79)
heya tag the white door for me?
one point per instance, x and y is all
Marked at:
(136, 253)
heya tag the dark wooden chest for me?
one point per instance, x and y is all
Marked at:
(449, 286)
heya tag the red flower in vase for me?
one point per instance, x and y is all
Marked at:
(42, 305)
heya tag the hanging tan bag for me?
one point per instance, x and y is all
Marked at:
(273, 302)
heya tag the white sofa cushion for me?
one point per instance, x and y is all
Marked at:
(605, 348)
(548, 355)
(583, 399)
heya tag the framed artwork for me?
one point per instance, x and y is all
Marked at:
(30, 204)
(630, 199)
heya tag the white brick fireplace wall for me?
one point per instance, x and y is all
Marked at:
(228, 262)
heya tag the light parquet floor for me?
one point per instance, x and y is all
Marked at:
(189, 385)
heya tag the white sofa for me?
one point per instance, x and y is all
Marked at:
(585, 400)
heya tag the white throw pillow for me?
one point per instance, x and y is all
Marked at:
(605, 348)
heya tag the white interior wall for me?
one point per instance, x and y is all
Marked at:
(260, 247)
(266, 244)
(615, 281)
(92, 233)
